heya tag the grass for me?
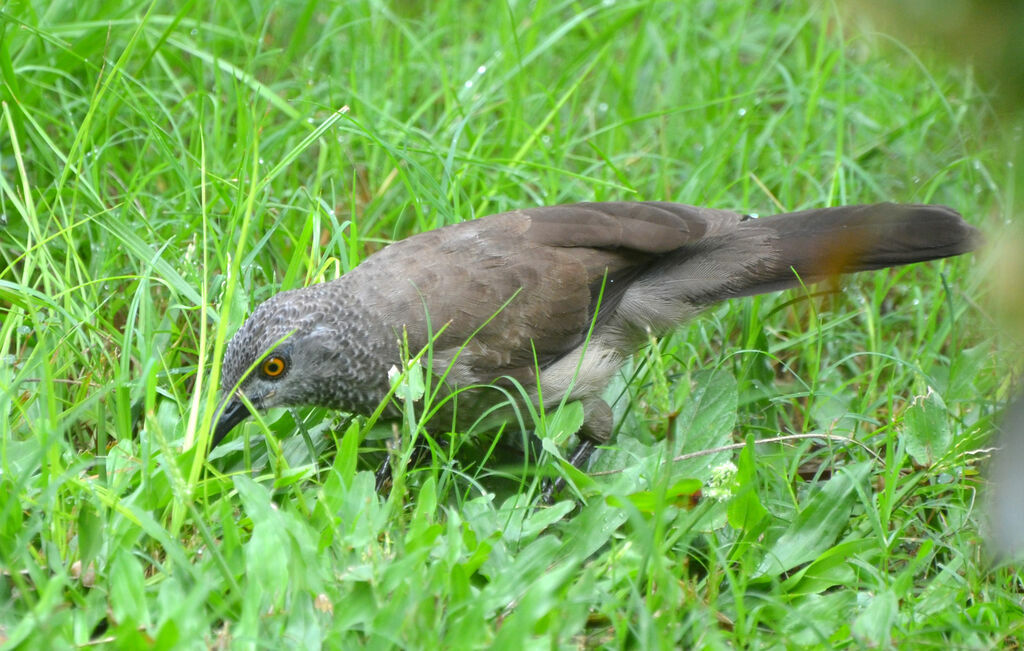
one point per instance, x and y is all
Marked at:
(165, 167)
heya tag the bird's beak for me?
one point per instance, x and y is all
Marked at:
(234, 413)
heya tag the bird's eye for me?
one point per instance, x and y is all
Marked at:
(273, 366)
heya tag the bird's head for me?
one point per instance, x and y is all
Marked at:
(286, 354)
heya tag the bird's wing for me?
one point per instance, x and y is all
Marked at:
(519, 290)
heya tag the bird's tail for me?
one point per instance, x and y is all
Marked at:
(766, 254)
(816, 244)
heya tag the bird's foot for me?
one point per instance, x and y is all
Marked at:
(385, 476)
(578, 459)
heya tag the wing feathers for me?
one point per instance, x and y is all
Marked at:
(660, 262)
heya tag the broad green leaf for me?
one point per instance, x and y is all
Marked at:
(745, 511)
(564, 422)
(830, 569)
(90, 534)
(926, 428)
(408, 384)
(348, 453)
(875, 623)
(127, 588)
(818, 523)
(706, 422)
(683, 494)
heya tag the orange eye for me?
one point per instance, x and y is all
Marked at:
(273, 366)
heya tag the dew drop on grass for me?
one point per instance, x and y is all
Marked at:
(24, 330)
(741, 112)
(481, 70)
(9, 360)
(602, 107)
(546, 140)
(469, 83)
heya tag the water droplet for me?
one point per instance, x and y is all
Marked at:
(469, 83)
(9, 360)
(481, 70)
(24, 330)
(546, 140)
(193, 32)
(602, 107)
(742, 112)
(261, 161)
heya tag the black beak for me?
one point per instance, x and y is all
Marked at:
(234, 413)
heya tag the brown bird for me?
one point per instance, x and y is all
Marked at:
(515, 295)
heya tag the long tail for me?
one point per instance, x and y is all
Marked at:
(817, 244)
(760, 255)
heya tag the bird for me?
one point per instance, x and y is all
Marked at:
(554, 298)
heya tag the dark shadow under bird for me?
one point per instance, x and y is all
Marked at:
(556, 298)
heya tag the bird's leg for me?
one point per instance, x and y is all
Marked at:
(384, 476)
(596, 430)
